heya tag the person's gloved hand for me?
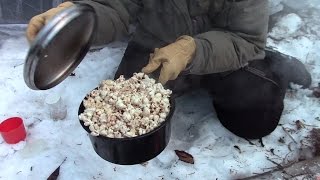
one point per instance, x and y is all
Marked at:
(174, 58)
(38, 21)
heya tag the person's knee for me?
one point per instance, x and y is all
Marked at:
(249, 106)
(135, 58)
(252, 124)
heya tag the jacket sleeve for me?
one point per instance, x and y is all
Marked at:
(114, 18)
(230, 48)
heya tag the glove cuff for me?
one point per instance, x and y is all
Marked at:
(188, 45)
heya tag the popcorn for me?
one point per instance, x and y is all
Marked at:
(126, 108)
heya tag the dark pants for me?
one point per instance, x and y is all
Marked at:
(248, 102)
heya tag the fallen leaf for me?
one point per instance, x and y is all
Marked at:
(73, 74)
(184, 156)
(55, 174)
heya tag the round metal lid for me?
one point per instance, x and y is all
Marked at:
(60, 47)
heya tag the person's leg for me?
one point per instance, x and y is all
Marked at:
(248, 102)
(135, 58)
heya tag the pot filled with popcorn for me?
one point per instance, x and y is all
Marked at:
(128, 120)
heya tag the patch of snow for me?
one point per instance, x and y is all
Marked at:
(195, 126)
(286, 26)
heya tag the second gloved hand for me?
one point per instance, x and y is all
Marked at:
(174, 58)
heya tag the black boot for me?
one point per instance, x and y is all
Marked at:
(288, 69)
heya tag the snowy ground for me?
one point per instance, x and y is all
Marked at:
(196, 130)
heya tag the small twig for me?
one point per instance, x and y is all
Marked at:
(64, 160)
(18, 65)
(251, 143)
(261, 142)
(272, 168)
(286, 159)
(219, 156)
(279, 166)
(34, 123)
(238, 148)
(272, 152)
(306, 125)
(289, 135)
(303, 124)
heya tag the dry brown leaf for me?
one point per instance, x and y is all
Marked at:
(55, 174)
(184, 156)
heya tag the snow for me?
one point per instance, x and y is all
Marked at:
(286, 26)
(195, 127)
(275, 6)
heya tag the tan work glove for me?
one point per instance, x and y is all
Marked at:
(174, 58)
(38, 21)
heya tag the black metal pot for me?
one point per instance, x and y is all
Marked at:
(135, 150)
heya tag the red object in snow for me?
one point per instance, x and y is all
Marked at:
(13, 130)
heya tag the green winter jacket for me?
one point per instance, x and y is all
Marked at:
(228, 33)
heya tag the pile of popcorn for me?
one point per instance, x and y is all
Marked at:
(126, 108)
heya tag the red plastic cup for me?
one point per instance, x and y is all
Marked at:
(12, 130)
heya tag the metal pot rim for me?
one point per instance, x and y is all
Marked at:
(48, 33)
